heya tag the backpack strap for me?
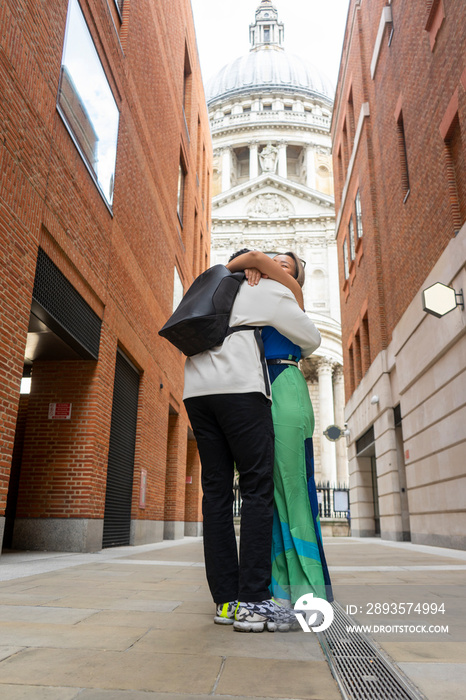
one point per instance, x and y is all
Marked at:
(260, 344)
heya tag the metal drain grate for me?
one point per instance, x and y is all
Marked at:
(359, 667)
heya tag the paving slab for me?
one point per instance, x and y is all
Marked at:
(6, 651)
(309, 680)
(70, 636)
(112, 670)
(36, 692)
(438, 681)
(211, 640)
(49, 615)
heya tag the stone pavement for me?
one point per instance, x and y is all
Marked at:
(135, 623)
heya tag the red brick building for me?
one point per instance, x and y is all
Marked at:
(105, 176)
(399, 149)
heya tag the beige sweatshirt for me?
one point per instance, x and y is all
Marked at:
(235, 366)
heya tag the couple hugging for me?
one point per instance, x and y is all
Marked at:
(260, 419)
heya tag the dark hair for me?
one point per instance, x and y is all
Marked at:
(239, 252)
(299, 274)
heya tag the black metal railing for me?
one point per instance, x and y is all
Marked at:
(333, 500)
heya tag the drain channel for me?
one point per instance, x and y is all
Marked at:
(358, 666)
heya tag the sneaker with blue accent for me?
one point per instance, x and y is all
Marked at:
(225, 613)
(266, 614)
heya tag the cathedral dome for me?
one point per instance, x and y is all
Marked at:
(269, 68)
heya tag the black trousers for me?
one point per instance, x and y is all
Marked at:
(236, 429)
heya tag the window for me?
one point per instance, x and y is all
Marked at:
(86, 103)
(178, 290)
(403, 154)
(351, 123)
(288, 108)
(351, 241)
(266, 35)
(181, 185)
(357, 206)
(187, 89)
(456, 172)
(351, 368)
(365, 345)
(267, 108)
(357, 358)
(346, 258)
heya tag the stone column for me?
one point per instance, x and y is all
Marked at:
(226, 169)
(327, 417)
(282, 165)
(253, 160)
(339, 401)
(310, 166)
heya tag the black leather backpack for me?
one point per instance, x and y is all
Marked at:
(200, 321)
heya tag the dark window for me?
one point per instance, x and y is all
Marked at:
(403, 154)
(187, 90)
(181, 186)
(456, 173)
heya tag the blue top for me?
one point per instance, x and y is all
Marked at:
(277, 345)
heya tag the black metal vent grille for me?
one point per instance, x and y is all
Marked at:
(64, 310)
(359, 667)
(117, 517)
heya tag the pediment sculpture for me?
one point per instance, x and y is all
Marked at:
(269, 204)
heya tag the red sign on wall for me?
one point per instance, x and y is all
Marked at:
(60, 411)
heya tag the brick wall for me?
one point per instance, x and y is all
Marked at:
(122, 262)
(417, 115)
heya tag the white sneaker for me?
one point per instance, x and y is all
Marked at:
(255, 617)
(225, 613)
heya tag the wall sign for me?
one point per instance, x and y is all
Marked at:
(60, 411)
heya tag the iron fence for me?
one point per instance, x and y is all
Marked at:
(333, 500)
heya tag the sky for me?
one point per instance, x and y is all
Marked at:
(313, 29)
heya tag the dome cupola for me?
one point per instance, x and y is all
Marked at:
(268, 66)
(267, 31)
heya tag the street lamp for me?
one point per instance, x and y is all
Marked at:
(439, 299)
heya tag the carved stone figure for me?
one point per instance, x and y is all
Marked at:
(268, 158)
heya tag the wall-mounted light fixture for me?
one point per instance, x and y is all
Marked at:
(439, 299)
(374, 399)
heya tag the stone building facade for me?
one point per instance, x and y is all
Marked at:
(270, 115)
(399, 152)
(105, 158)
